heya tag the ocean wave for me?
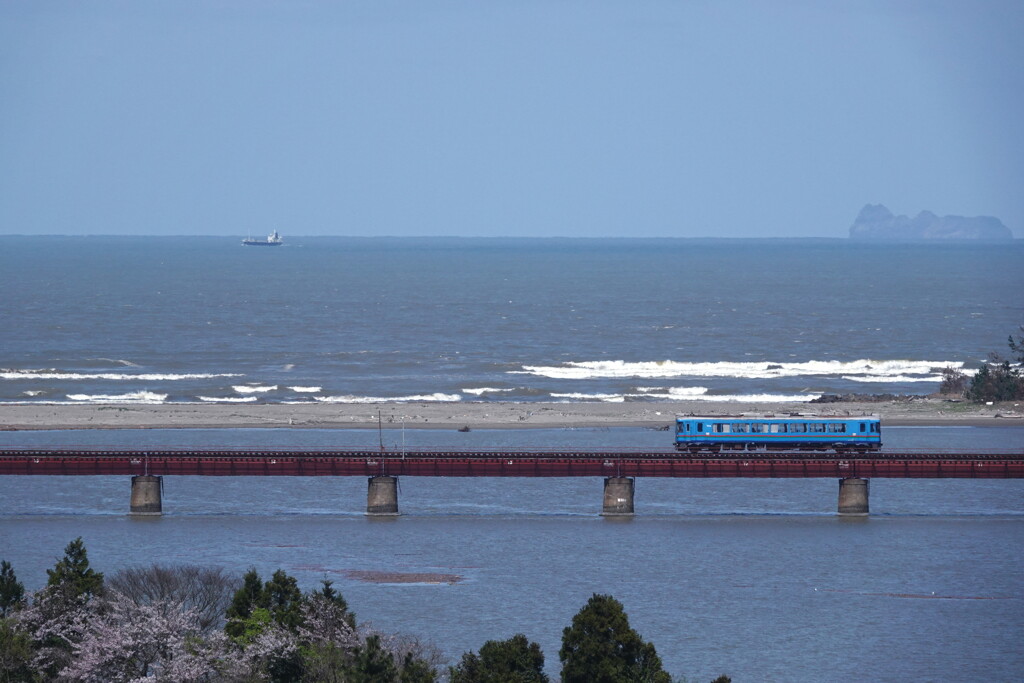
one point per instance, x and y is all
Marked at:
(607, 398)
(893, 378)
(8, 373)
(753, 398)
(306, 390)
(672, 392)
(33, 393)
(612, 369)
(227, 399)
(485, 390)
(133, 397)
(388, 399)
(259, 389)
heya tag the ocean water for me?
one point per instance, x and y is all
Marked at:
(758, 579)
(100, 319)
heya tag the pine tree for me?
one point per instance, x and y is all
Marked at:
(12, 592)
(515, 660)
(334, 598)
(72, 574)
(373, 664)
(283, 598)
(601, 647)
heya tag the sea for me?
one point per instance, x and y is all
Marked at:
(758, 579)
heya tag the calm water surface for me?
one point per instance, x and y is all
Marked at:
(758, 579)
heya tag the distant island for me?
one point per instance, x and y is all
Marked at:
(876, 223)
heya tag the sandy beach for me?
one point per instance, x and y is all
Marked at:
(476, 415)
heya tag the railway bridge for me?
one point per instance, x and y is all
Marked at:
(619, 468)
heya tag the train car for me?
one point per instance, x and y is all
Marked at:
(718, 433)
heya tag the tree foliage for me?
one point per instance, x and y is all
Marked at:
(280, 597)
(601, 647)
(1000, 380)
(12, 592)
(516, 660)
(73, 575)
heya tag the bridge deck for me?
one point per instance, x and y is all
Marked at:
(229, 462)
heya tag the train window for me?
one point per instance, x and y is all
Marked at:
(741, 428)
(798, 428)
(774, 428)
(836, 427)
(817, 427)
(863, 427)
(757, 428)
(700, 426)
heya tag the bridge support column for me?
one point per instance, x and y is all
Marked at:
(618, 496)
(382, 496)
(853, 496)
(146, 494)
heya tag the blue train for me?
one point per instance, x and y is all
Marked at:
(717, 433)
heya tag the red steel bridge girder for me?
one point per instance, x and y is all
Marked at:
(508, 464)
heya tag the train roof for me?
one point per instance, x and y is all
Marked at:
(776, 416)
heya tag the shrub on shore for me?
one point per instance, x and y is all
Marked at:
(1000, 379)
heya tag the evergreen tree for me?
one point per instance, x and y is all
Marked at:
(281, 595)
(601, 647)
(247, 599)
(333, 597)
(72, 574)
(373, 664)
(12, 593)
(515, 660)
(415, 670)
(999, 379)
(16, 655)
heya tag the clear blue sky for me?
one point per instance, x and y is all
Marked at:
(502, 117)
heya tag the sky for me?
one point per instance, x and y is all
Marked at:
(585, 118)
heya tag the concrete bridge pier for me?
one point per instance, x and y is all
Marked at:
(618, 496)
(853, 497)
(146, 495)
(382, 496)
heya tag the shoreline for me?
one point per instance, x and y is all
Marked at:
(477, 414)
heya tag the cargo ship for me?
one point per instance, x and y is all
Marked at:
(273, 240)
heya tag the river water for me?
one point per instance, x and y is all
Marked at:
(755, 578)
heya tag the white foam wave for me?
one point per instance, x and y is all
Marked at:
(612, 369)
(118, 361)
(673, 392)
(754, 398)
(893, 378)
(388, 399)
(8, 373)
(227, 399)
(133, 397)
(33, 393)
(485, 390)
(259, 389)
(607, 398)
(306, 390)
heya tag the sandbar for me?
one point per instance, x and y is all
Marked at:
(478, 414)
